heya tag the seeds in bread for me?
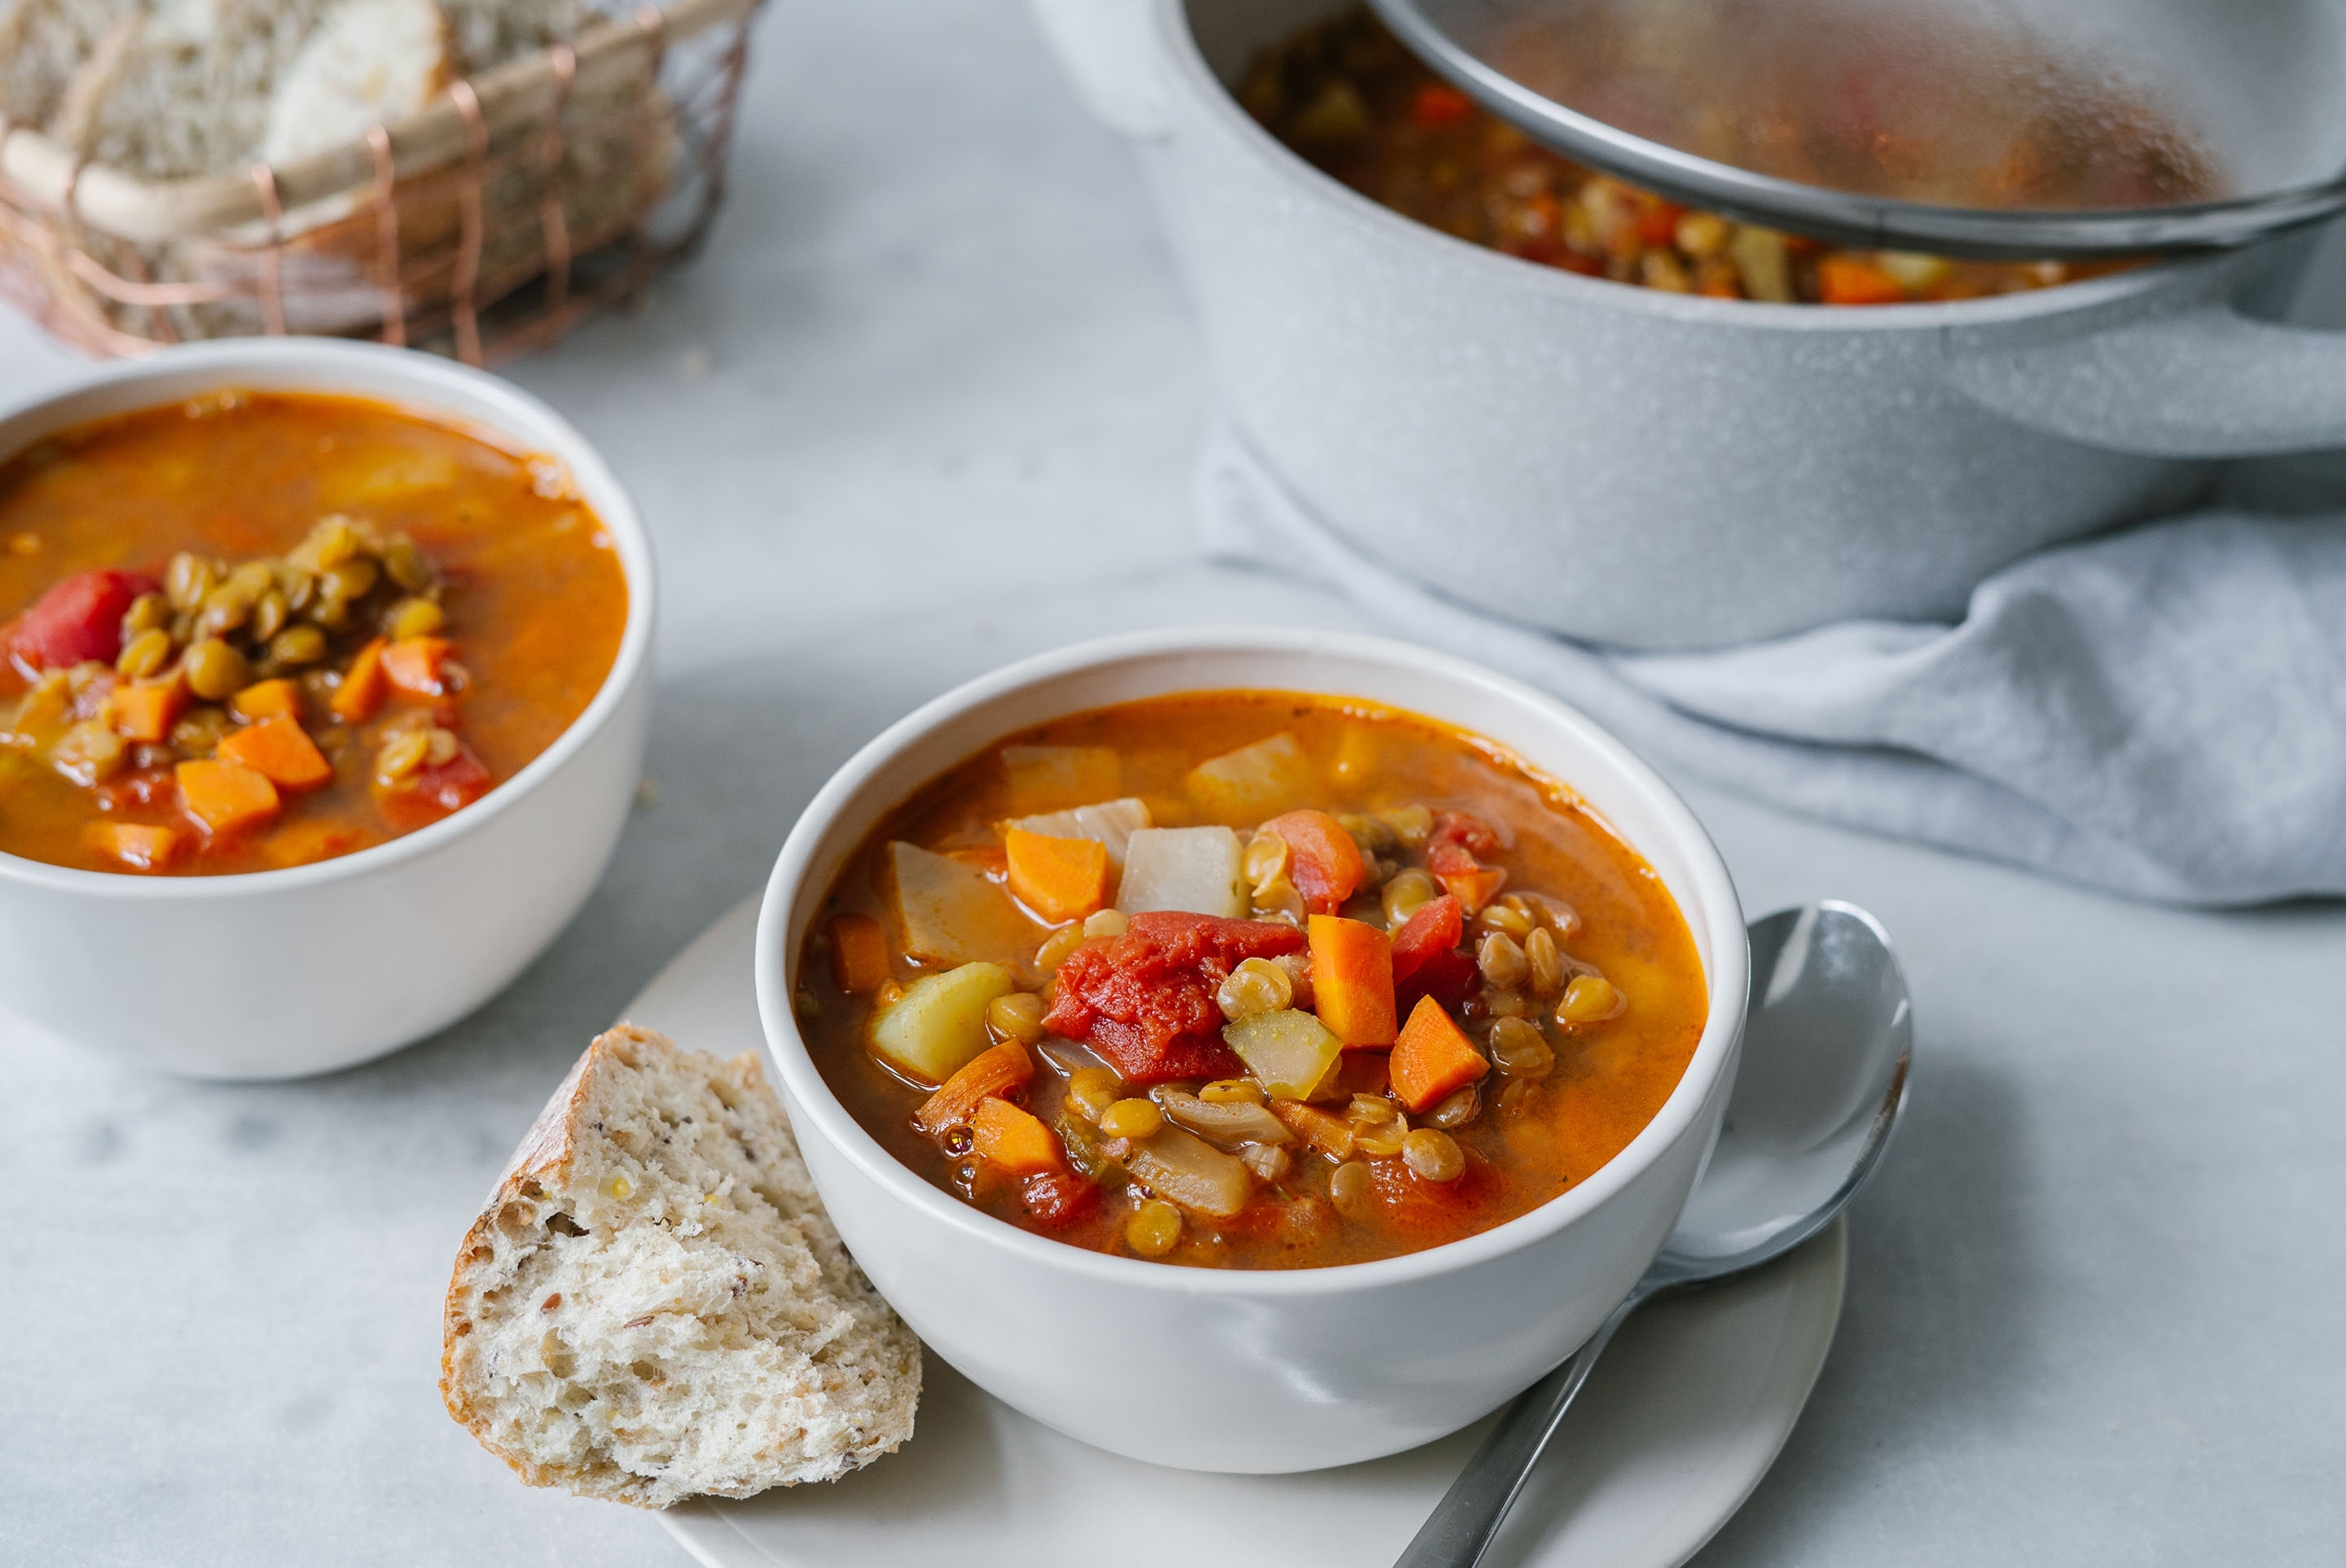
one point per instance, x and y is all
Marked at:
(654, 1303)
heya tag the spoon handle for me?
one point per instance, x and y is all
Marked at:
(1462, 1525)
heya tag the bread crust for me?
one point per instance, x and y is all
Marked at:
(543, 1173)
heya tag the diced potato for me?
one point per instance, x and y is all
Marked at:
(1186, 1170)
(950, 913)
(1195, 870)
(1289, 1051)
(1048, 775)
(1110, 823)
(938, 1026)
(1255, 781)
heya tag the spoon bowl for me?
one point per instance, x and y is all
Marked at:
(1825, 1052)
(1827, 1037)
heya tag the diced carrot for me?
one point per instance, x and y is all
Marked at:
(1439, 925)
(361, 693)
(279, 699)
(1474, 888)
(1435, 107)
(224, 796)
(281, 751)
(305, 841)
(1326, 1135)
(1844, 280)
(145, 710)
(858, 953)
(989, 1073)
(136, 844)
(1433, 1058)
(1351, 981)
(1060, 878)
(1009, 1137)
(1323, 862)
(411, 665)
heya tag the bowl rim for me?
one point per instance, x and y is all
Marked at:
(1728, 973)
(373, 369)
(1349, 206)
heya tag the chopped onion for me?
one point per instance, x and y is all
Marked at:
(1227, 1125)
(1179, 1169)
(1194, 870)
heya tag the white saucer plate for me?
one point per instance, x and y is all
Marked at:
(1676, 1426)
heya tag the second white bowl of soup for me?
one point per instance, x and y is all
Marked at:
(279, 834)
(1118, 1240)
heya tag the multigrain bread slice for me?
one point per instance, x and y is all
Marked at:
(654, 1303)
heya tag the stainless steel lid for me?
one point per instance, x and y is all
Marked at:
(2022, 128)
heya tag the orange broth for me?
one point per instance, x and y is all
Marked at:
(529, 602)
(1534, 1135)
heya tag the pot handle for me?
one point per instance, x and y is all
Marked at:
(2202, 382)
(1109, 48)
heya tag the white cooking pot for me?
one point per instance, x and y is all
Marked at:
(1658, 470)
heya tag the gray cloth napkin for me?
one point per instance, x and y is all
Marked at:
(2159, 712)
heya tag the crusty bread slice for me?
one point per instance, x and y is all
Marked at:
(368, 63)
(654, 1303)
(192, 97)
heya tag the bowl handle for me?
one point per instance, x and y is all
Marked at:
(1110, 49)
(2202, 382)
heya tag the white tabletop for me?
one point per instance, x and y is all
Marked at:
(928, 404)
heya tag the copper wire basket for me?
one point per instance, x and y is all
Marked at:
(484, 225)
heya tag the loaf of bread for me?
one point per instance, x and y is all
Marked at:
(654, 1304)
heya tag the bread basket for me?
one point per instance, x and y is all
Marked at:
(511, 205)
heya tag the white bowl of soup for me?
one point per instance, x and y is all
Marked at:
(1251, 1051)
(324, 678)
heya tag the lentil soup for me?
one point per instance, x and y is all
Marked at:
(1250, 980)
(1349, 97)
(258, 630)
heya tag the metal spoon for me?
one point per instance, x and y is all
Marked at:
(1824, 1077)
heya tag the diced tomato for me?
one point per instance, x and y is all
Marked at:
(1450, 855)
(428, 794)
(1145, 1000)
(1322, 861)
(1658, 224)
(140, 787)
(1439, 1208)
(1461, 830)
(1449, 978)
(1437, 927)
(1059, 1198)
(76, 620)
(1437, 108)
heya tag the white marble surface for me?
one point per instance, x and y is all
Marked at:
(927, 404)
